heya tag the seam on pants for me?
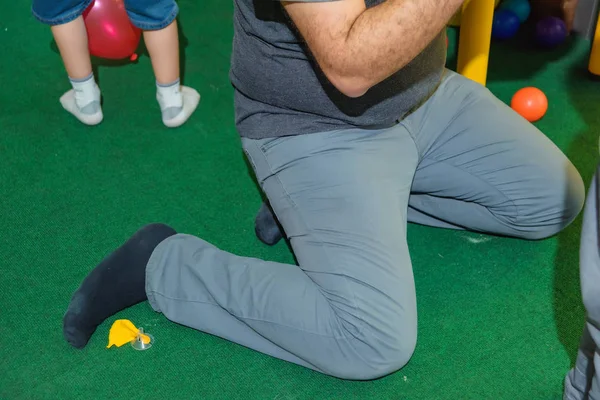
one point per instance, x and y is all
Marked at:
(157, 293)
(409, 126)
(414, 140)
(65, 18)
(153, 26)
(349, 340)
(405, 122)
(152, 293)
(320, 241)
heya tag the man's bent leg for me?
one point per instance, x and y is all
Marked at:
(583, 382)
(349, 309)
(485, 168)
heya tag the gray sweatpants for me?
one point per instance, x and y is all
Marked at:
(583, 381)
(463, 160)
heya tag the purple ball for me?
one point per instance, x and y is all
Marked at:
(550, 32)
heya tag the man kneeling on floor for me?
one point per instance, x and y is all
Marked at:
(353, 127)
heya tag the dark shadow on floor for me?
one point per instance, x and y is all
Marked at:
(183, 43)
(569, 313)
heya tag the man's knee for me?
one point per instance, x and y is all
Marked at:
(546, 212)
(395, 355)
(373, 357)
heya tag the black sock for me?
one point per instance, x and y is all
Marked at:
(118, 282)
(266, 226)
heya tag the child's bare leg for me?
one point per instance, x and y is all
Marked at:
(177, 103)
(163, 46)
(83, 101)
(71, 39)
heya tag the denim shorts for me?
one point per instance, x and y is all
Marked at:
(145, 14)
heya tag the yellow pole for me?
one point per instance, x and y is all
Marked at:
(475, 38)
(594, 66)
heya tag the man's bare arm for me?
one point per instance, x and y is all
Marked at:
(357, 48)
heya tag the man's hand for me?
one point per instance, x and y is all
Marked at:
(358, 48)
(564, 9)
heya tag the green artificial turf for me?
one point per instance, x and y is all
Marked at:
(499, 318)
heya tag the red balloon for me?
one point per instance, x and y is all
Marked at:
(110, 32)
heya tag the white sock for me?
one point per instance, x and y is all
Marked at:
(87, 94)
(177, 103)
(83, 101)
(169, 98)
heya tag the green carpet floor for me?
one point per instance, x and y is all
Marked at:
(499, 318)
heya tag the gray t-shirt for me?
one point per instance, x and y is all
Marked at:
(280, 90)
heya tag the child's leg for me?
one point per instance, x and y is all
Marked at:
(177, 103)
(163, 46)
(83, 101)
(583, 382)
(71, 39)
(68, 28)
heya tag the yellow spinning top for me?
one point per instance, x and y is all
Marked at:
(123, 331)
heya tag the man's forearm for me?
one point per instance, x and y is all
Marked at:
(385, 38)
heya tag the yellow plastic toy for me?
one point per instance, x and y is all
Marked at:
(594, 66)
(123, 331)
(475, 38)
(475, 19)
(455, 21)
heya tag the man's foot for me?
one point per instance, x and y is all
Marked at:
(177, 103)
(266, 226)
(116, 283)
(83, 101)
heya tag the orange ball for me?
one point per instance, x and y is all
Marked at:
(531, 103)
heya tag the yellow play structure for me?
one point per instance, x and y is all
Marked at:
(475, 22)
(594, 65)
(475, 38)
